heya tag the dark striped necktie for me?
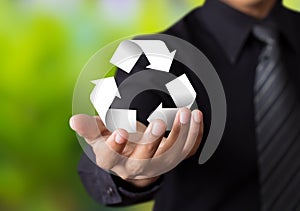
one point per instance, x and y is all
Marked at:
(277, 117)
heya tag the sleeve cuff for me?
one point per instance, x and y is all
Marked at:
(98, 183)
(130, 191)
(111, 190)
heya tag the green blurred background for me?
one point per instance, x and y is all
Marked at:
(43, 46)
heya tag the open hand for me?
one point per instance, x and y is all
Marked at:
(130, 159)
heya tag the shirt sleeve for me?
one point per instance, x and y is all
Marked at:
(108, 189)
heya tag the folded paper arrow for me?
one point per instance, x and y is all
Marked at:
(183, 95)
(102, 97)
(156, 51)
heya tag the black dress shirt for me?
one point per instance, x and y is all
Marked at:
(229, 180)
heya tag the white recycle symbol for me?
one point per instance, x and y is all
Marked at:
(125, 58)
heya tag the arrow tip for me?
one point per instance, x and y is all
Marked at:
(95, 82)
(173, 53)
(159, 107)
(118, 94)
(154, 113)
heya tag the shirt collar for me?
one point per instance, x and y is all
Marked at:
(231, 28)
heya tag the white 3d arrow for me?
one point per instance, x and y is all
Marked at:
(183, 95)
(156, 51)
(165, 114)
(182, 91)
(102, 97)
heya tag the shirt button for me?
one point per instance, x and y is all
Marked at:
(110, 191)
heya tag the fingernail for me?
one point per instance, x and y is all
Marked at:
(71, 122)
(157, 129)
(119, 139)
(196, 116)
(184, 117)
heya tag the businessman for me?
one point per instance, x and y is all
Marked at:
(254, 46)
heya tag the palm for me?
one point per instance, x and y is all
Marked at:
(142, 155)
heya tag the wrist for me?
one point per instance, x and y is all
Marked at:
(142, 183)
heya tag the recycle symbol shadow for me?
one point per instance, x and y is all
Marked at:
(157, 77)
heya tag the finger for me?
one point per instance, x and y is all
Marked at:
(150, 140)
(137, 136)
(87, 126)
(108, 152)
(117, 141)
(139, 158)
(179, 130)
(195, 134)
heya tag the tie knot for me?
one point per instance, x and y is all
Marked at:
(266, 33)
